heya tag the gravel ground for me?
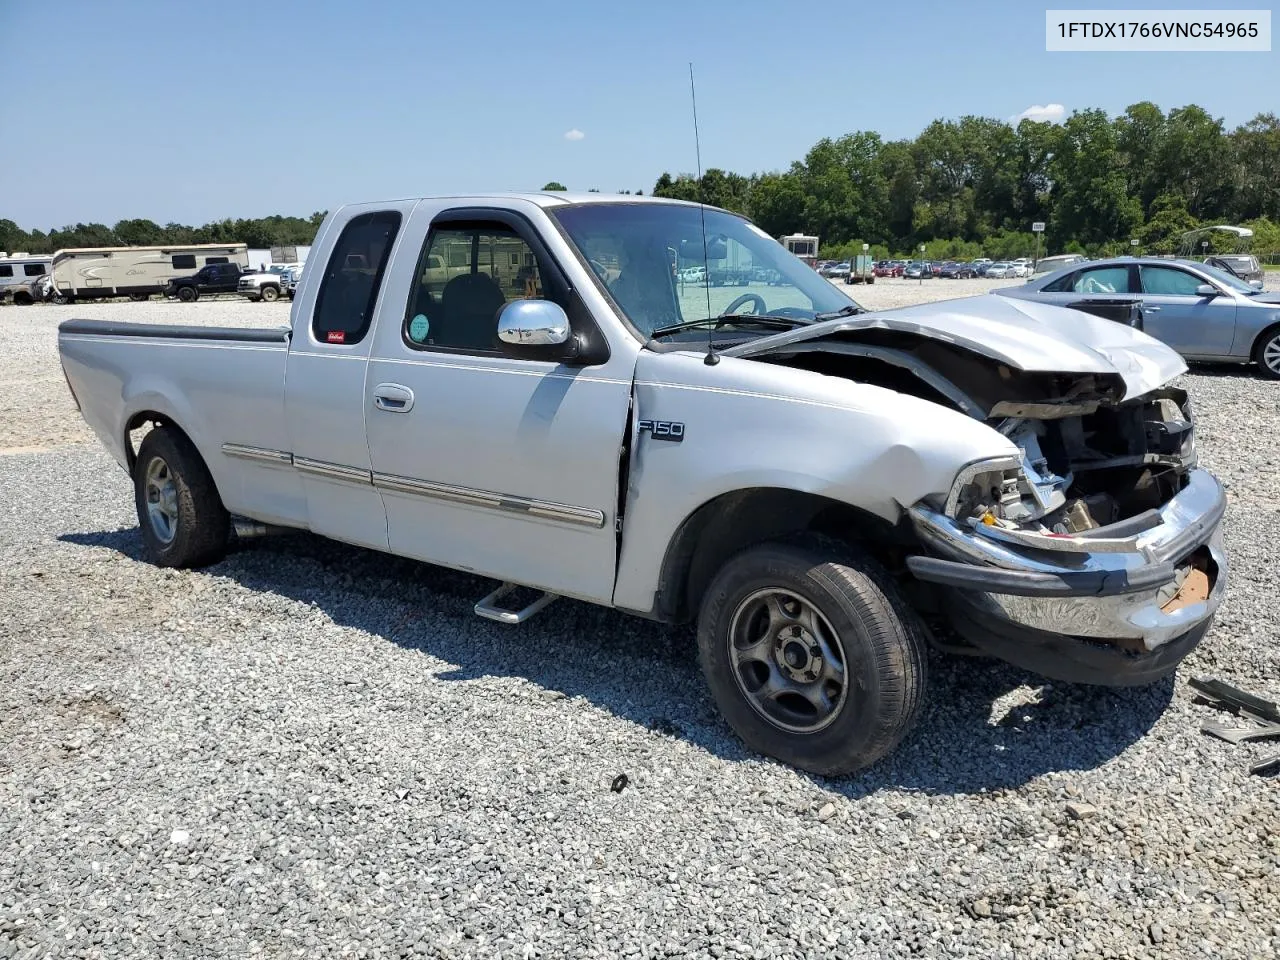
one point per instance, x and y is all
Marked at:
(312, 750)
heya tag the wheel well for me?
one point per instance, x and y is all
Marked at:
(136, 422)
(733, 521)
(1258, 340)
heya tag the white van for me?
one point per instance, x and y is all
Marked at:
(18, 272)
(93, 273)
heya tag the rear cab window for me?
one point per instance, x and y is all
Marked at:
(353, 276)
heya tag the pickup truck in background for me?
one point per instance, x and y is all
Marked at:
(466, 383)
(212, 278)
(267, 285)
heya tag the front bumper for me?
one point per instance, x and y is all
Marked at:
(1119, 605)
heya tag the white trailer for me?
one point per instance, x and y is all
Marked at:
(94, 273)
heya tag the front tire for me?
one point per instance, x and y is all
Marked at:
(811, 657)
(270, 294)
(183, 521)
(1267, 354)
(188, 294)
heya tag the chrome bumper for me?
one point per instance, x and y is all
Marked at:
(1117, 584)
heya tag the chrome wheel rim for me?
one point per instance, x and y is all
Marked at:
(162, 500)
(1271, 354)
(787, 661)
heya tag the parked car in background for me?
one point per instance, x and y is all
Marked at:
(889, 268)
(1202, 312)
(836, 271)
(957, 270)
(1021, 267)
(214, 278)
(1000, 270)
(19, 273)
(1242, 265)
(1057, 262)
(917, 270)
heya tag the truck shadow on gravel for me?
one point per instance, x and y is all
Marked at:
(986, 725)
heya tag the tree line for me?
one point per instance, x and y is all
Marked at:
(262, 233)
(974, 186)
(962, 188)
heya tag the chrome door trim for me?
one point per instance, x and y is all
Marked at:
(331, 471)
(245, 452)
(544, 509)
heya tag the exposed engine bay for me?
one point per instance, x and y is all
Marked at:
(1088, 457)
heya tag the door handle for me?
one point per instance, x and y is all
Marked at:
(393, 398)
(1150, 309)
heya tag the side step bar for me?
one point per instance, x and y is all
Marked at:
(489, 609)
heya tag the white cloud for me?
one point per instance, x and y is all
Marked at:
(574, 134)
(1049, 113)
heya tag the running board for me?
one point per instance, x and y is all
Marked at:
(489, 609)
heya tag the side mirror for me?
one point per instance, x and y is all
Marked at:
(1256, 284)
(536, 329)
(1206, 290)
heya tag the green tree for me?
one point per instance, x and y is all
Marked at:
(554, 185)
(1091, 202)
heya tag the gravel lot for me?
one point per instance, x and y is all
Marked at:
(312, 750)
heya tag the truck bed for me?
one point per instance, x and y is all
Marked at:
(221, 384)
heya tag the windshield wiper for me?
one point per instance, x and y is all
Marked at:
(849, 311)
(749, 319)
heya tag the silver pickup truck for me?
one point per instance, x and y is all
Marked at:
(520, 386)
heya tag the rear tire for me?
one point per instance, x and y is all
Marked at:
(183, 521)
(270, 294)
(139, 297)
(1266, 354)
(188, 294)
(811, 656)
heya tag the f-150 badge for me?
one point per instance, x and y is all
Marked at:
(663, 429)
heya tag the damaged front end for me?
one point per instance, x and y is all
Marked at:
(1093, 554)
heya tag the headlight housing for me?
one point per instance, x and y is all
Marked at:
(983, 483)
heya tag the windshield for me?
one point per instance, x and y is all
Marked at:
(1227, 280)
(650, 257)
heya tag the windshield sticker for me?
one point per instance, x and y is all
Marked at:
(418, 328)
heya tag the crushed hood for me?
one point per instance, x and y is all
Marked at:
(1028, 336)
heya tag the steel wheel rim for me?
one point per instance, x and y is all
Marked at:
(787, 660)
(1271, 354)
(162, 500)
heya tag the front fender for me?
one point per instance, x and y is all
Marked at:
(751, 424)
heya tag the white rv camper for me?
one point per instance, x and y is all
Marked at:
(18, 272)
(88, 273)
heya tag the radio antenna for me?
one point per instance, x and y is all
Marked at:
(710, 359)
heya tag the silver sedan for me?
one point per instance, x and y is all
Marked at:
(1200, 311)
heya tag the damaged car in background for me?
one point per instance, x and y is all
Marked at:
(814, 484)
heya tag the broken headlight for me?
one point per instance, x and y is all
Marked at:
(1008, 490)
(983, 485)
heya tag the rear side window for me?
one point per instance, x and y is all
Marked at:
(216, 260)
(183, 261)
(33, 269)
(349, 287)
(6, 270)
(1102, 280)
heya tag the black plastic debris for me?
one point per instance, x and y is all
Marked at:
(619, 783)
(1266, 713)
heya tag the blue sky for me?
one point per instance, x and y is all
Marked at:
(188, 112)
